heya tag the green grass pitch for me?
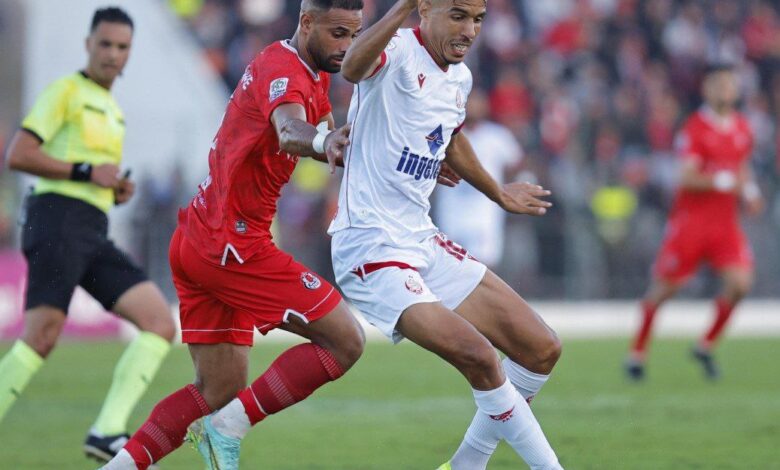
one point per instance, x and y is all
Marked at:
(403, 408)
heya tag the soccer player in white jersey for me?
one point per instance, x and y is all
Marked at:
(404, 275)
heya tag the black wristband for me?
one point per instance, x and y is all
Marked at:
(81, 171)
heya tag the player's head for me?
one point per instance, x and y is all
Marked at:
(720, 87)
(450, 27)
(108, 44)
(326, 30)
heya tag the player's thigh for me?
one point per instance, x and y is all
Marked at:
(221, 371)
(338, 332)
(732, 256)
(55, 264)
(683, 249)
(270, 286)
(382, 293)
(145, 306)
(511, 325)
(110, 274)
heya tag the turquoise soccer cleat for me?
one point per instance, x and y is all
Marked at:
(220, 452)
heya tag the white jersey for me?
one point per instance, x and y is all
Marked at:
(403, 118)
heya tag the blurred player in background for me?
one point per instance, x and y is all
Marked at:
(72, 139)
(714, 146)
(229, 275)
(404, 275)
(464, 213)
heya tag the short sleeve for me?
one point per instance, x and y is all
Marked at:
(464, 90)
(397, 51)
(272, 85)
(688, 145)
(49, 112)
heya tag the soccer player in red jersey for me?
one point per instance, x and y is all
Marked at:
(229, 275)
(715, 146)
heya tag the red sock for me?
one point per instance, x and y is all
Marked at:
(640, 342)
(723, 311)
(166, 427)
(293, 376)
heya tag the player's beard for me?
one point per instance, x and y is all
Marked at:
(321, 58)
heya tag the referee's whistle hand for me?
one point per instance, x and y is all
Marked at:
(124, 191)
(106, 175)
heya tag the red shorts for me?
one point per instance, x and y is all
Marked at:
(224, 304)
(687, 244)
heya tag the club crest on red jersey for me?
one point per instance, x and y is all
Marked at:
(310, 281)
(414, 286)
(277, 89)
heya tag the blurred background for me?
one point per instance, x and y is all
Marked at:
(591, 92)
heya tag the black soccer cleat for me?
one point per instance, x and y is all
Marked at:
(635, 370)
(711, 369)
(105, 448)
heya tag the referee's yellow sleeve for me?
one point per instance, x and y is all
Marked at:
(50, 110)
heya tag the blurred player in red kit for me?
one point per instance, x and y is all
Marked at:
(229, 275)
(714, 146)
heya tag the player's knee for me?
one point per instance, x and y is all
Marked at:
(478, 361)
(218, 392)
(353, 348)
(543, 357)
(42, 342)
(161, 325)
(547, 356)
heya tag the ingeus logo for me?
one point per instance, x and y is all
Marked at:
(423, 167)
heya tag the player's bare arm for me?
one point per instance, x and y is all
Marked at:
(693, 178)
(518, 198)
(25, 154)
(750, 191)
(298, 137)
(364, 56)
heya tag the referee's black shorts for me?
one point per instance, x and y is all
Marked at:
(66, 244)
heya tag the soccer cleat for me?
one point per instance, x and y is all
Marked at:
(445, 466)
(711, 369)
(104, 448)
(635, 370)
(220, 452)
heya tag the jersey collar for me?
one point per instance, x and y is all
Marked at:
(286, 44)
(721, 123)
(419, 37)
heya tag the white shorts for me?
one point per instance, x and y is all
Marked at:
(382, 280)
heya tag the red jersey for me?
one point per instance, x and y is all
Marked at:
(714, 144)
(232, 212)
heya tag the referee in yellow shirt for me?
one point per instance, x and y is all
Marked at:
(72, 139)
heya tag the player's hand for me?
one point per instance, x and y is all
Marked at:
(447, 176)
(524, 198)
(106, 175)
(414, 4)
(124, 191)
(755, 206)
(335, 143)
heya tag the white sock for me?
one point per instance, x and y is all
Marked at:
(479, 443)
(526, 382)
(231, 420)
(121, 461)
(513, 421)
